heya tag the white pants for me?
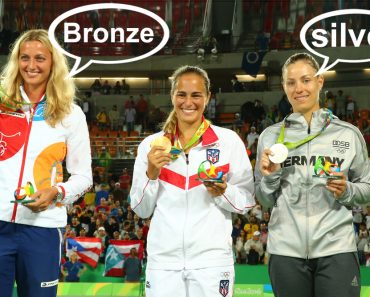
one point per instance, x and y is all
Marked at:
(204, 282)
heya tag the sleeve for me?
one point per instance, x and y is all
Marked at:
(144, 192)
(266, 186)
(78, 159)
(358, 181)
(239, 194)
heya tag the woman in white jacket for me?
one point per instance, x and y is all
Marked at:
(40, 128)
(189, 242)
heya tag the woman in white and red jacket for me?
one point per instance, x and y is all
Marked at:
(189, 243)
(40, 128)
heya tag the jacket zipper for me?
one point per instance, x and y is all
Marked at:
(187, 207)
(307, 209)
(23, 161)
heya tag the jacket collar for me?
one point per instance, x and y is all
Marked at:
(318, 119)
(209, 137)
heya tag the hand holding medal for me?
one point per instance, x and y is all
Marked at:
(158, 156)
(279, 153)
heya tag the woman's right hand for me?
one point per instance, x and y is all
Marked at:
(266, 166)
(157, 158)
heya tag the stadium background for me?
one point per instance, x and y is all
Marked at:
(266, 32)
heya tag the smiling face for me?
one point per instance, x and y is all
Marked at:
(35, 62)
(190, 99)
(302, 87)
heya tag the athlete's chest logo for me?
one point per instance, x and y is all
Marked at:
(213, 155)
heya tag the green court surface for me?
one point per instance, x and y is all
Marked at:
(250, 281)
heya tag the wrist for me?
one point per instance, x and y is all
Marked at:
(59, 195)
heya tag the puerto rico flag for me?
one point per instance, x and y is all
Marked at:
(117, 251)
(87, 249)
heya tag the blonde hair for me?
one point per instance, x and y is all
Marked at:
(299, 57)
(60, 90)
(171, 121)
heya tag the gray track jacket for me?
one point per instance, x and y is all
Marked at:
(306, 220)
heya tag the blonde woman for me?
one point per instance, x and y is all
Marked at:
(189, 242)
(40, 128)
(311, 169)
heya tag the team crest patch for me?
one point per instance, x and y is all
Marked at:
(213, 155)
(224, 287)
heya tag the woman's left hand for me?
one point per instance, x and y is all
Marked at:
(337, 186)
(43, 199)
(216, 189)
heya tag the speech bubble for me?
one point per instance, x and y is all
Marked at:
(326, 65)
(77, 68)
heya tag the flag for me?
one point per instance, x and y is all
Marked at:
(113, 262)
(117, 251)
(88, 249)
(252, 61)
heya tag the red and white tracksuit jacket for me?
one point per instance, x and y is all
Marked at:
(32, 151)
(190, 229)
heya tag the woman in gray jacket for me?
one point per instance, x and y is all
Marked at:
(311, 169)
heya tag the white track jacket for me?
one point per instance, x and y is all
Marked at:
(32, 151)
(190, 229)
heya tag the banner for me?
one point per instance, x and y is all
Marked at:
(252, 61)
(87, 249)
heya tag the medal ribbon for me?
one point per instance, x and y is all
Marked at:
(293, 145)
(11, 104)
(197, 135)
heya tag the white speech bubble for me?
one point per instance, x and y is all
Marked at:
(76, 69)
(302, 36)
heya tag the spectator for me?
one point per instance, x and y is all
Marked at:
(113, 226)
(239, 248)
(251, 226)
(132, 267)
(351, 109)
(211, 108)
(105, 242)
(116, 235)
(125, 181)
(362, 240)
(96, 86)
(76, 226)
(83, 233)
(106, 88)
(264, 234)
(102, 119)
(73, 269)
(117, 88)
(341, 105)
(101, 192)
(142, 111)
(252, 136)
(125, 87)
(105, 160)
(102, 207)
(238, 123)
(266, 218)
(114, 118)
(118, 194)
(367, 217)
(237, 86)
(130, 114)
(86, 106)
(330, 101)
(254, 249)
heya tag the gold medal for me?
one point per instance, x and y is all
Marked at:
(163, 142)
